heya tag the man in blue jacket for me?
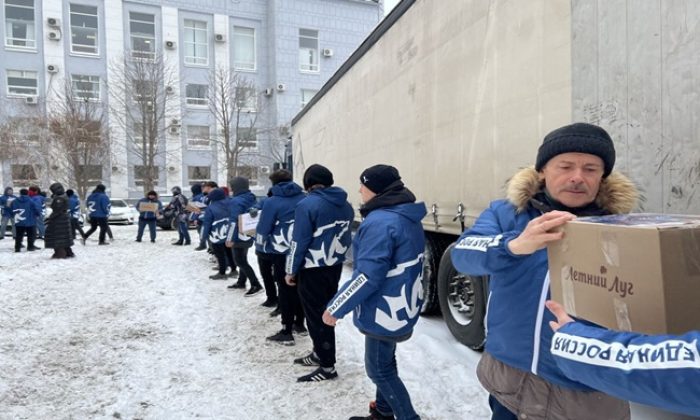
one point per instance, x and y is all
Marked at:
(658, 370)
(98, 207)
(215, 226)
(385, 290)
(243, 200)
(6, 215)
(40, 199)
(26, 211)
(273, 236)
(573, 176)
(147, 216)
(320, 240)
(74, 205)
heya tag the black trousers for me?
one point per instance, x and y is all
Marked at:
(317, 286)
(75, 225)
(20, 231)
(245, 271)
(224, 257)
(94, 223)
(266, 264)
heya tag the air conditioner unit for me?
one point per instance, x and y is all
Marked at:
(268, 92)
(174, 122)
(171, 168)
(174, 129)
(281, 87)
(327, 52)
(52, 68)
(32, 100)
(170, 45)
(54, 35)
(219, 38)
(53, 22)
(169, 90)
(265, 170)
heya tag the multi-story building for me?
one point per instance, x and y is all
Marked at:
(284, 50)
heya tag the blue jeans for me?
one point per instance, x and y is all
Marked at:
(183, 232)
(151, 229)
(380, 364)
(3, 225)
(499, 411)
(40, 226)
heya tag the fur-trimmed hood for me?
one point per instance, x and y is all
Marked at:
(617, 193)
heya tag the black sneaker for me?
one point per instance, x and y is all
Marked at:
(300, 330)
(282, 337)
(103, 243)
(200, 248)
(373, 414)
(320, 374)
(269, 303)
(33, 248)
(218, 276)
(254, 290)
(275, 312)
(138, 240)
(232, 274)
(236, 286)
(309, 360)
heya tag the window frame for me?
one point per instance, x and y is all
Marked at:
(192, 141)
(91, 182)
(21, 95)
(138, 181)
(74, 88)
(237, 64)
(193, 181)
(142, 54)
(255, 142)
(302, 65)
(9, 28)
(204, 99)
(303, 104)
(96, 30)
(194, 43)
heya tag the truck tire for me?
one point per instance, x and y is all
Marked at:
(432, 253)
(462, 302)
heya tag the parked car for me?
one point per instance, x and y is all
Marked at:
(122, 212)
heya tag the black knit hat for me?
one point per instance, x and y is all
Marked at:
(317, 174)
(239, 184)
(100, 187)
(578, 138)
(379, 178)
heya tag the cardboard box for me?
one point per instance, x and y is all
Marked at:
(248, 223)
(144, 207)
(195, 206)
(636, 272)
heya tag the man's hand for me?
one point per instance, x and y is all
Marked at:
(558, 311)
(229, 244)
(289, 279)
(538, 233)
(329, 319)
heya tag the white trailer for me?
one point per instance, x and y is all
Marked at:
(458, 95)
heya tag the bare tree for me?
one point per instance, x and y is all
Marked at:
(142, 104)
(237, 108)
(24, 142)
(78, 129)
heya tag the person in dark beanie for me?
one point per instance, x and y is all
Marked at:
(272, 241)
(179, 205)
(74, 205)
(98, 207)
(26, 211)
(6, 215)
(215, 225)
(385, 290)
(573, 176)
(36, 195)
(149, 208)
(58, 226)
(243, 200)
(320, 240)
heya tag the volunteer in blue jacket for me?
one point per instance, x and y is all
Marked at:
(573, 176)
(658, 370)
(98, 207)
(147, 217)
(243, 200)
(215, 226)
(6, 215)
(272, 240)
(320, 240)
(385, 290)
(74, 203)
(36, 195)
(26, 211)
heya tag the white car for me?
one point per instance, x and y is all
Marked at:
(121, 212)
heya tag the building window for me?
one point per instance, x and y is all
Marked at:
(137, 136)
(144, 90)
(83, 28)
(306, 95)
(142, 28)
(196, 44)
(21, 83)
(140, 173)
(23, 175)
(85, 87)
(198, 137)
(19, 24)
(308, 50)
(247, 137)
(250, 172)
(243, 48)
(198, 174)
(90, 174)
(196, 94)
(246, 99)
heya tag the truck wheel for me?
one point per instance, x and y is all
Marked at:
(431, 255)
(462, 302)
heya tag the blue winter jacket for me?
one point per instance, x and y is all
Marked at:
(98, 205)
(40, 200)
(517, 327)
(26, 211)
(661, 371)
(385, 289)
(321, 235)
(74, 207)
(6, 204)
(197, 198)
(149, 215)
(216, 218)
(239, 204)
(273, 234)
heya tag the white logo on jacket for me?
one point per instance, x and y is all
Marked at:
(19, 215)
(328, 256)
(91, 206)
(281, 242)
(219, 230)
(390, 320)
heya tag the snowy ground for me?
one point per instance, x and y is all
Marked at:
(138, 331)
